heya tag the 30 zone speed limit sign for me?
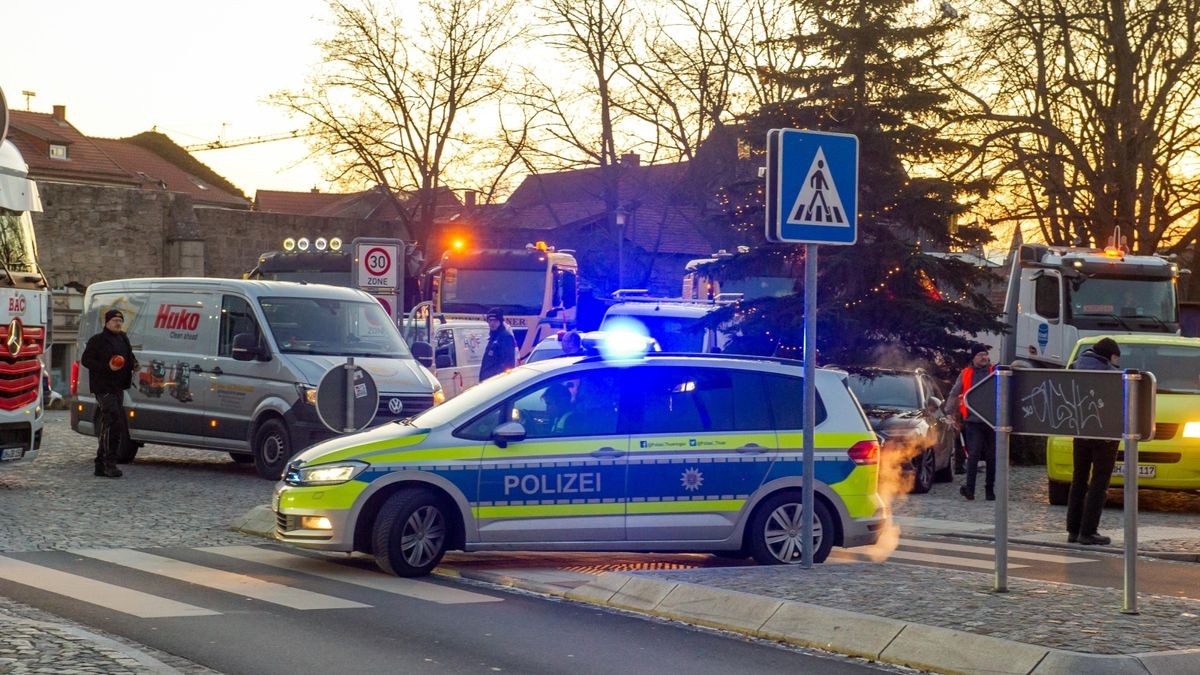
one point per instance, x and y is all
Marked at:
(377, 265)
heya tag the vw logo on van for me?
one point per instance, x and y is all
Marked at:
(395, 405)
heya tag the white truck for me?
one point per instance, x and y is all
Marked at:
(24, 308)
(1058, 294)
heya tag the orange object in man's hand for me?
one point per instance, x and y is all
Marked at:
(117, 362)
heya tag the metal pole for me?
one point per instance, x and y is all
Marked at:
(1131, 490)
(1003, 436)
(810, 400)
(349, 394)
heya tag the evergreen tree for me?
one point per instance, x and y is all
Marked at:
(887, 292)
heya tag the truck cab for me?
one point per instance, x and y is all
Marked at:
(1058, 295)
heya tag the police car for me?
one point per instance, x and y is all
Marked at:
(652, 453)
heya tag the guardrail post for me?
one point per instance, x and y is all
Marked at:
(1003, 436)
(1130, 437)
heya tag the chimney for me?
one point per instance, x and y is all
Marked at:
(60, 113)
(631, 159)
(315, 190)
(469, 197)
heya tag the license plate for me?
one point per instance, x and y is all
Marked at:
(11, 453)
(1144, 470)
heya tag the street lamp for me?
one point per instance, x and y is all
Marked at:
(621, 215)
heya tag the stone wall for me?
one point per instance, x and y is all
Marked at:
(89, 233)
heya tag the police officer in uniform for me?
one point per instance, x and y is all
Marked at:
(109, 359)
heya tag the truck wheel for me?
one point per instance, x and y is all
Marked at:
(411, 534)
(1057, 493)
(272, 449)
(776, 536)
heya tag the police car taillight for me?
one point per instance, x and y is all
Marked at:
(74, 378)
(865, 452)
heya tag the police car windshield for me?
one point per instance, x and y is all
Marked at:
(332, 327)
(475, 398)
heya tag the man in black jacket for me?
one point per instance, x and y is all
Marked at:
(1094, 459)
(109, 359)
(501, 351)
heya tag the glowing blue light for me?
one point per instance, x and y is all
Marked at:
(624, 339)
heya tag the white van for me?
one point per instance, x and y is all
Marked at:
(458, 351)
(233, 365)
(676, 325)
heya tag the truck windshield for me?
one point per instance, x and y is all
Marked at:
(1125, 298)
(474, 291)
(18, 252)
(1176, 368)
(332, 327)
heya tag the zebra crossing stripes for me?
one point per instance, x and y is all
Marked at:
(230, 582)
(111, 596)
(413, 588)
(916, 550)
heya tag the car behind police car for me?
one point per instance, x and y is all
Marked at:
(656, 453)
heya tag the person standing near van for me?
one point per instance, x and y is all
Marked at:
(1094, 459)
(501, 351)
(109, 359)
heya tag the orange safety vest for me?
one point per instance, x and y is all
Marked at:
(968, 374)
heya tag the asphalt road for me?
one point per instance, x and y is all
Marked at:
(249, 616)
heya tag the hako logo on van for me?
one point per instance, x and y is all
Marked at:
(177, 317)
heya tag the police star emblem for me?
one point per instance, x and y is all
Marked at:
(691, 479)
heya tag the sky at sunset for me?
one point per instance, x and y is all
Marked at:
(194, 71)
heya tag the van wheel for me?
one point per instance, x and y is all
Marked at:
(272, 449)
(127, 449)
(1057, 493)
(776, 533)
(411, 533)
(241, 457)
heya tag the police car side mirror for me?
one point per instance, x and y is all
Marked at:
(509, 432)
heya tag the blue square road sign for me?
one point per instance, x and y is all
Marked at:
(812, 187)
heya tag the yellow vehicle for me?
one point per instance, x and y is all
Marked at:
(1171, 460)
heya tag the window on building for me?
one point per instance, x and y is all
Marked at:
(58, 151)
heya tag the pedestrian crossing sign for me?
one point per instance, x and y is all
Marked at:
(812, 187)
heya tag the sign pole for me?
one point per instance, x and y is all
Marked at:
(1129, 606)
(810, 400)
(1003, 436)
(349, 394)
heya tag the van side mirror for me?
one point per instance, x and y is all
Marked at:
(246, 347)
(423, 351)
(509, 432)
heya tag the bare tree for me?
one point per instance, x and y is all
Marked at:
(388, 106)
(1088, 116)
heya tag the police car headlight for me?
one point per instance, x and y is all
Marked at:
(328, 474)
(1191, 430)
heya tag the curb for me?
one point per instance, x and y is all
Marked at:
(78, 634)
(258, 521)
(881, 639)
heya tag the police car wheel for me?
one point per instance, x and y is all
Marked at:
(272, 449)
(923, 466)
(411, 533)
(776, 535)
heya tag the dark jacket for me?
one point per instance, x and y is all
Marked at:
(500, 353)
(100, 348)
(1090, 360)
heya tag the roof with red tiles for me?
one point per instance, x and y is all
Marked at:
(298, 203)
(83, 162)
(153, 172)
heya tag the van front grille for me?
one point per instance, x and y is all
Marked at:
(408, 405)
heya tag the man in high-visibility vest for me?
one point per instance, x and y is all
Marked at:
(979, 437)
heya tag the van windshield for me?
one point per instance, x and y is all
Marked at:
(332, 327)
